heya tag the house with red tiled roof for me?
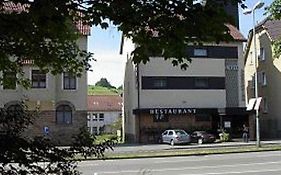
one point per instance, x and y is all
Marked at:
(269, 76)
(61, 99)
(209, 95)
(103, 112)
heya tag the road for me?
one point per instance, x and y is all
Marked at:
(262, 163)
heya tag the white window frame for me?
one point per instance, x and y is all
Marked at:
(100, 117)
(94, 117)
(62, 83)
(30, 77)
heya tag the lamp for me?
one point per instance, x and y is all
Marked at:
(257, 6)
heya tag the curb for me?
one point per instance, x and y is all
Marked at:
(186, 152)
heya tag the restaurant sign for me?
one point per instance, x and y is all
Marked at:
(172, 111)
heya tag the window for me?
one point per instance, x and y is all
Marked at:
(101, 129)
(64, 114)
(263, 78)
(160, 83)
(251, 58)
(10, 80)
(94, 130)
(171, 133)
(69, 81)
(89, 117)
(253, 81)
(38, 79)
(201, 83)
(203, 117)
(101, 117)
(15, 109)
(265, 105)
(262, 54)
(95, 118)
(200, 52)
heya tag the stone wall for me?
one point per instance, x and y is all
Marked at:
(60, 134)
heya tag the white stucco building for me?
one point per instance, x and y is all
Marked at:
(103, 112)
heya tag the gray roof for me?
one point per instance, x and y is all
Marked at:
(273, 27)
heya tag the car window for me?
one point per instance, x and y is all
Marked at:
(201, 133)
(181, 132)
(165, 133)
(195, 133)
(171, 133)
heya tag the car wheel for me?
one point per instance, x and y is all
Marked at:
(160, 140)
(172, 143)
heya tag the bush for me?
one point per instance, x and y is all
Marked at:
(224, 137)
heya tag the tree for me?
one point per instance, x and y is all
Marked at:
(48, 35)
(20, 154)
(274, 11)
(120, 87)
(44, 33)
(104, 83)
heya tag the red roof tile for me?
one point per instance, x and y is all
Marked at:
(104, 103)
(235, 33)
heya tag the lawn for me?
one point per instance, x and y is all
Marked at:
(99, 90)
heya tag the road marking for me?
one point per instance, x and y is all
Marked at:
(213, 157)
(238, 172)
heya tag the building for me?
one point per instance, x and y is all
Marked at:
(209, 95)
(62, 99)
(103, 112)
(269, 77)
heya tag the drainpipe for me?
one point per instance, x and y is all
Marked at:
(139, 113)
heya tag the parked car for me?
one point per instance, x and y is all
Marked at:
(175, 136)
(202, 137)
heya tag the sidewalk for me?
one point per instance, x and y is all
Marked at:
(137, 148)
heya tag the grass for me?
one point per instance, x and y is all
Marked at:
(193, 152)
(188, 152)
(99, 90)
(104, 137)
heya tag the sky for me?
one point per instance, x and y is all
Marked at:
(105, 44)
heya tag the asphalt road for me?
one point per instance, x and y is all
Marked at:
(262, 163)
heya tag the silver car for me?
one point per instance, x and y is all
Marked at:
(175, 136)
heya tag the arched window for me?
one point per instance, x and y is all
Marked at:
(64, 114)
(14, 107)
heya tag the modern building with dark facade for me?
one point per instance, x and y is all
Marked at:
(209, 95)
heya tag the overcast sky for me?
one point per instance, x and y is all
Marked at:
(105, 45)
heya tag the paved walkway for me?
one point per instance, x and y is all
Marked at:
(131, 148)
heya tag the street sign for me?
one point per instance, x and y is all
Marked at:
(46, 130)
